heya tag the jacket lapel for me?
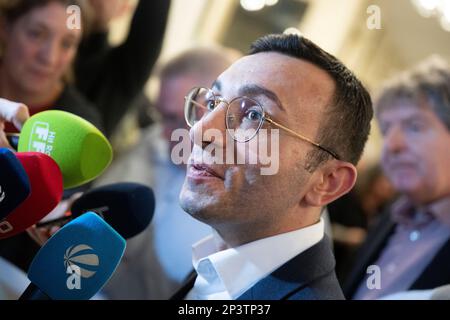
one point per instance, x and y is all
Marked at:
(186, 287)
(437, 272)
(311, 264)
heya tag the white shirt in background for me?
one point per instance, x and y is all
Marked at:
(13, 281)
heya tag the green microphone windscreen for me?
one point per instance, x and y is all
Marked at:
(78, 147)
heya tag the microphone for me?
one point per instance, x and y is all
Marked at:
(76, 262)
(78, 147)
(127, 207)
(14, 183)
(46, 186)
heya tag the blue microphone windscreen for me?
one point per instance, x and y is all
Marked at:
(14, 183)
(127, 207)
(78, 260)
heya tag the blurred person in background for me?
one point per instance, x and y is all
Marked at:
(411, 243)
(157, 261)
(37, 51)
(353, 214)
(113, 77)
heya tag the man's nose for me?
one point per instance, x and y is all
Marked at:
(395, 140)
(210, 129)
(48, 53)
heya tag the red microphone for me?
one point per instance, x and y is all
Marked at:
(46, 184)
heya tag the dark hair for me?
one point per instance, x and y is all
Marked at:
(346, 124)
(199, 61)
(428, 84)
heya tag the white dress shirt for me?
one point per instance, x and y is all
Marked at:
(227, 274)
(13, 281)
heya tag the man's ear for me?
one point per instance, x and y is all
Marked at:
(332, 181)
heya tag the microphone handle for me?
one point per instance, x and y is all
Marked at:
(34, 293)
(56, 222)
(13, 139)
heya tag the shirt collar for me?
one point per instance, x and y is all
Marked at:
(406, 213)
(235, 270)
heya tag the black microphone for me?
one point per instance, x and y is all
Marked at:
(13, 140)
(14, 183)
(127, 207)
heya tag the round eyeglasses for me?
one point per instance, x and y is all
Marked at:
(244, 116)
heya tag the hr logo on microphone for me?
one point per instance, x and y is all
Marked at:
(80, 262)
(2, 195)
(41, 138)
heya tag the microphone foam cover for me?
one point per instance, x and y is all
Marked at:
(78, 260)
(80, 149)
(14, 183)
(127, 207)
(46, 192)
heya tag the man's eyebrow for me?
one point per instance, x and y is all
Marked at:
(408, 119)
(256, 90)
(415, 116)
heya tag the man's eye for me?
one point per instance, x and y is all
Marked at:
(35, 34)
(210, 104)
(68, 44)
(414, 126)
(253, 115)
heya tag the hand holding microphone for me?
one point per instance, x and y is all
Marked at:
(57, 150)
(16, 113)
(81, 151)
(76, 262)
(41, 234)
(127, 207)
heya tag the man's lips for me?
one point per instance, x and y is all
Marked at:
(400, 165)
(41, 73)
(203, 170)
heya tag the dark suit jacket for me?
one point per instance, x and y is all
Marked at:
(435, 274)
(308, 276)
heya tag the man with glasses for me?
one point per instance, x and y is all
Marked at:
(159, 259)
(269, 241)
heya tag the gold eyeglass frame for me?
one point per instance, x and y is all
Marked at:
(265, 117)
